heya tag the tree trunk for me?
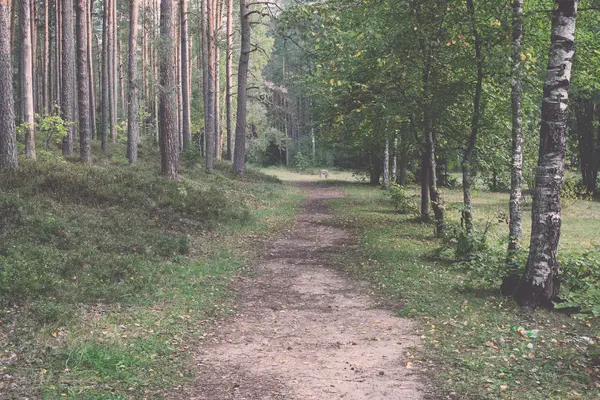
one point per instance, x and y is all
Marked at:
(467, 162)
(540, 282)
(228, 79)
(105, 78)
(27, 102)
(395, 159)
(217, 40)
(386, 165)
(133, 130)
(588, 151)
(46, 60)
(209, 127)
(8, 134)
(185, 77)
(91, 69)
(68, 75)
(168, 91)
(83, 82)
(239, 157)
(425, 185)
(515, 226)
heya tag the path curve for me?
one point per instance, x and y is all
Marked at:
(304, 330)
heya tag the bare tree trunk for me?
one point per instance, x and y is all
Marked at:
(8, 133)
(133, 131)
(46, 61)
(204, 45)
(83, 82)
(217, 41)
(228, 79)
(112, 106)
(588, 148)
(386, 164)
(27, 101)
(91, 69)
(209, 128)
(467, 162)
(395, 159)
(121, 74)
(105, 78)
(540, 282)
(58, 45)
(185, 77)
(515, 226)
(425, 185)
(168, 86)
(68, 74)
(239, 157)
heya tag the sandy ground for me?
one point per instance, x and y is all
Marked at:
(304, 330)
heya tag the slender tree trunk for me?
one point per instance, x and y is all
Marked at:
(83, 82)
(58, 44)
(588, 150)
(209, 128)
(168, 86)
(228, 80)
(34, 75)
(386, 164)
(106, 107)
(8, 134)
(395, 159)
(425, 185)
(239, 156)
(133, 131)
(122, 79)
(185, 75)
(112, 106)
(68, 74)
(434, 194)
(467, 162)
(91, 80)
(46, 61)
(217, 41)
(27, 101)
(540, 282)
(515, 226)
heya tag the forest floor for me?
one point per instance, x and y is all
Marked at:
(303, 329)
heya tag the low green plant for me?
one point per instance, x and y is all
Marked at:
(403, 202)
(300, 162)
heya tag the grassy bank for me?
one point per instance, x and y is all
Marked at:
(471, 349)
(109, 273)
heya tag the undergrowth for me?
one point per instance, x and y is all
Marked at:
(108, 272)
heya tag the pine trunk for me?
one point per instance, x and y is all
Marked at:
(68, 75)
(8, 134)
(209, 127)
(239, 157)
(46, 60)
(105, 78)
(83, 82)
(91, 69)
(228, 80)
(540, 282)
(185, 75)
(168, 91)
(27, 97)
(133, 130)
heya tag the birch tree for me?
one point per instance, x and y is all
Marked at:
(540, 282)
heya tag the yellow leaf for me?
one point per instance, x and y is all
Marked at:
(332, 82)
(409, 365)
(54, 334)
(523, 57)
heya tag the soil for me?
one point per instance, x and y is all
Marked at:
(304, 330)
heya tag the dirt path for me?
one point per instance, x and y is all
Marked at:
(305, 331)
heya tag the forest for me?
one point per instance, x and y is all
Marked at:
(262, 199)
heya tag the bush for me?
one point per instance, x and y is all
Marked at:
(402, 201)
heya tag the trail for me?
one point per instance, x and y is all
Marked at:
(304, 330)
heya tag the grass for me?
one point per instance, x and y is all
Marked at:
(110, 273)
(471, 350)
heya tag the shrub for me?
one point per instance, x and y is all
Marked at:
(402, 201)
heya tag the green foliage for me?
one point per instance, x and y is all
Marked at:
(403, 202)
(52, 128)
(573, 190)
(300, 162)
(581, 280)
